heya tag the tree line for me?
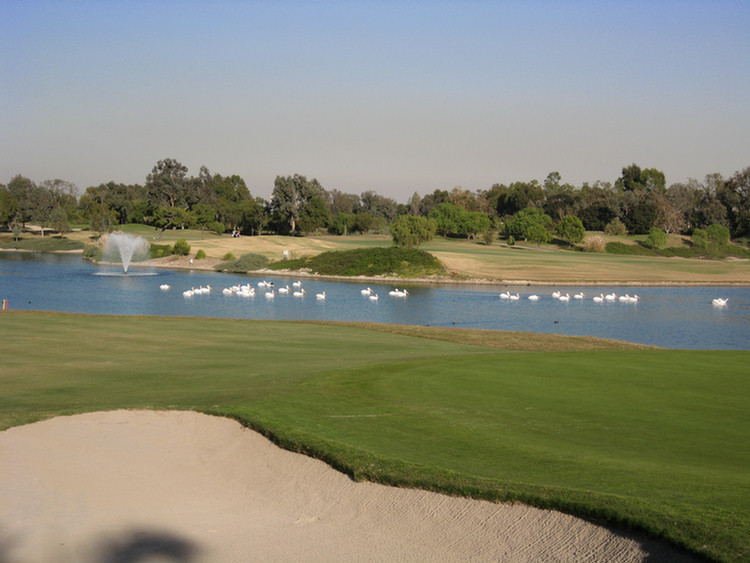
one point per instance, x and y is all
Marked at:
(637, 202)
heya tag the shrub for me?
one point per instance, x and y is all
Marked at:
(594, 244)
(571, 229)
(656, 238)
(245, 263)
(160, 250)
(615, 228)
(717, 234)
(488, 237)
(228, 256)
(200, 255)
(409, 231)
(181, 247)
(511, 240)
(700, 238)
(406, 262)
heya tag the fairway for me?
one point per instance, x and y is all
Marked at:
(651, 440)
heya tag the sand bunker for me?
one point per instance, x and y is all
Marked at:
(147, 487)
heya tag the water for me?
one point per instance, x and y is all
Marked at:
(671, 317)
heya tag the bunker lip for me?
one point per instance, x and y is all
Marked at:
(90, 486)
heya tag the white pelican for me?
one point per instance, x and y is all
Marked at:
(565, 297)
(374, 297)
(189, 292)
(300, 293)
(367, 291)
(610, 296)
(580, 295)
(515, 297)
(719, 301)
(261, 284)
(164, 286)
(624, 298)
(284, 289)
(505, 295)
(556, 294)
(297, 284)
(533, 297)
(270, 294)
(598, 298)
(227, 291)
(320, 296)
(394, 292)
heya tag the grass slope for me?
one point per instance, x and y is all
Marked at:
(652, 440)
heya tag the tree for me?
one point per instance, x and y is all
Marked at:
(167, 184)
(529, 224)
(571, 229)
(409, 231)
(717, 235)
(447, 217)
(22, 191)
(734, 194)
(314, 215)
(341, 224)
(7, 206)
(290, 194)
(203, 215)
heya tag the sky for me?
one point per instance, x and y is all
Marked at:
(392, 96)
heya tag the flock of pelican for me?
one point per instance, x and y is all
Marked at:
(269, 291)
(565, 297)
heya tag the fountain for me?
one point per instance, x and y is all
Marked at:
(121, 247)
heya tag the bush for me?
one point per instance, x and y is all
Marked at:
(405, 262)
(245, 263)
(594, 244)
(488, 237)
(615, 228)
(571, 229)
(200, 255)
(228, 256)
(700, 238)
(160, 250)
(409, 231)
(656, 238)
(181, 247)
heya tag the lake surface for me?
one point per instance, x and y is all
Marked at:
(671, 317)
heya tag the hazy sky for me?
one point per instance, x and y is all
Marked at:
(391, 96)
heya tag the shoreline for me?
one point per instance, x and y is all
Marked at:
(207, 264)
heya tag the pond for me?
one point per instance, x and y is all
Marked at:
(670, 317)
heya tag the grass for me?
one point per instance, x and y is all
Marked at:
(469, 259)
(655, 441)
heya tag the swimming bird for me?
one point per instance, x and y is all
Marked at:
(320, 296)
(300, 293)
(565, 297)
(580, 295)
(297, 284)
(164, 286)
(270, 294)
(505, 295)
(598, 298)
(515, 297)
(610, 296)
(367, 291)
(189, 292)
(533, 297)
(284, 289)
(374, 297)
(556, 294)
(719, 301)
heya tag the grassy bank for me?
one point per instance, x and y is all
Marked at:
(465, 259)
(650, 440)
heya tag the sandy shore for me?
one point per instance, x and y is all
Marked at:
(151, 486)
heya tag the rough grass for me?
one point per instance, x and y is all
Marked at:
(650, 440)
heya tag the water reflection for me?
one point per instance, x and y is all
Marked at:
(673, 317)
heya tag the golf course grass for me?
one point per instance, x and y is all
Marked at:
(654, 441)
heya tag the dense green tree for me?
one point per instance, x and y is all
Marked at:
(341, 224)
(378, 206)
(447, 218)
(520, 195)
(314, 215)
(734, 195)
(254, 216)
(528, 224)
(571, 229)
(7, 207)
(290, 194)
(409, 231)
(432, 200)
(22, 190)
(362, 222)
(718, 235)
